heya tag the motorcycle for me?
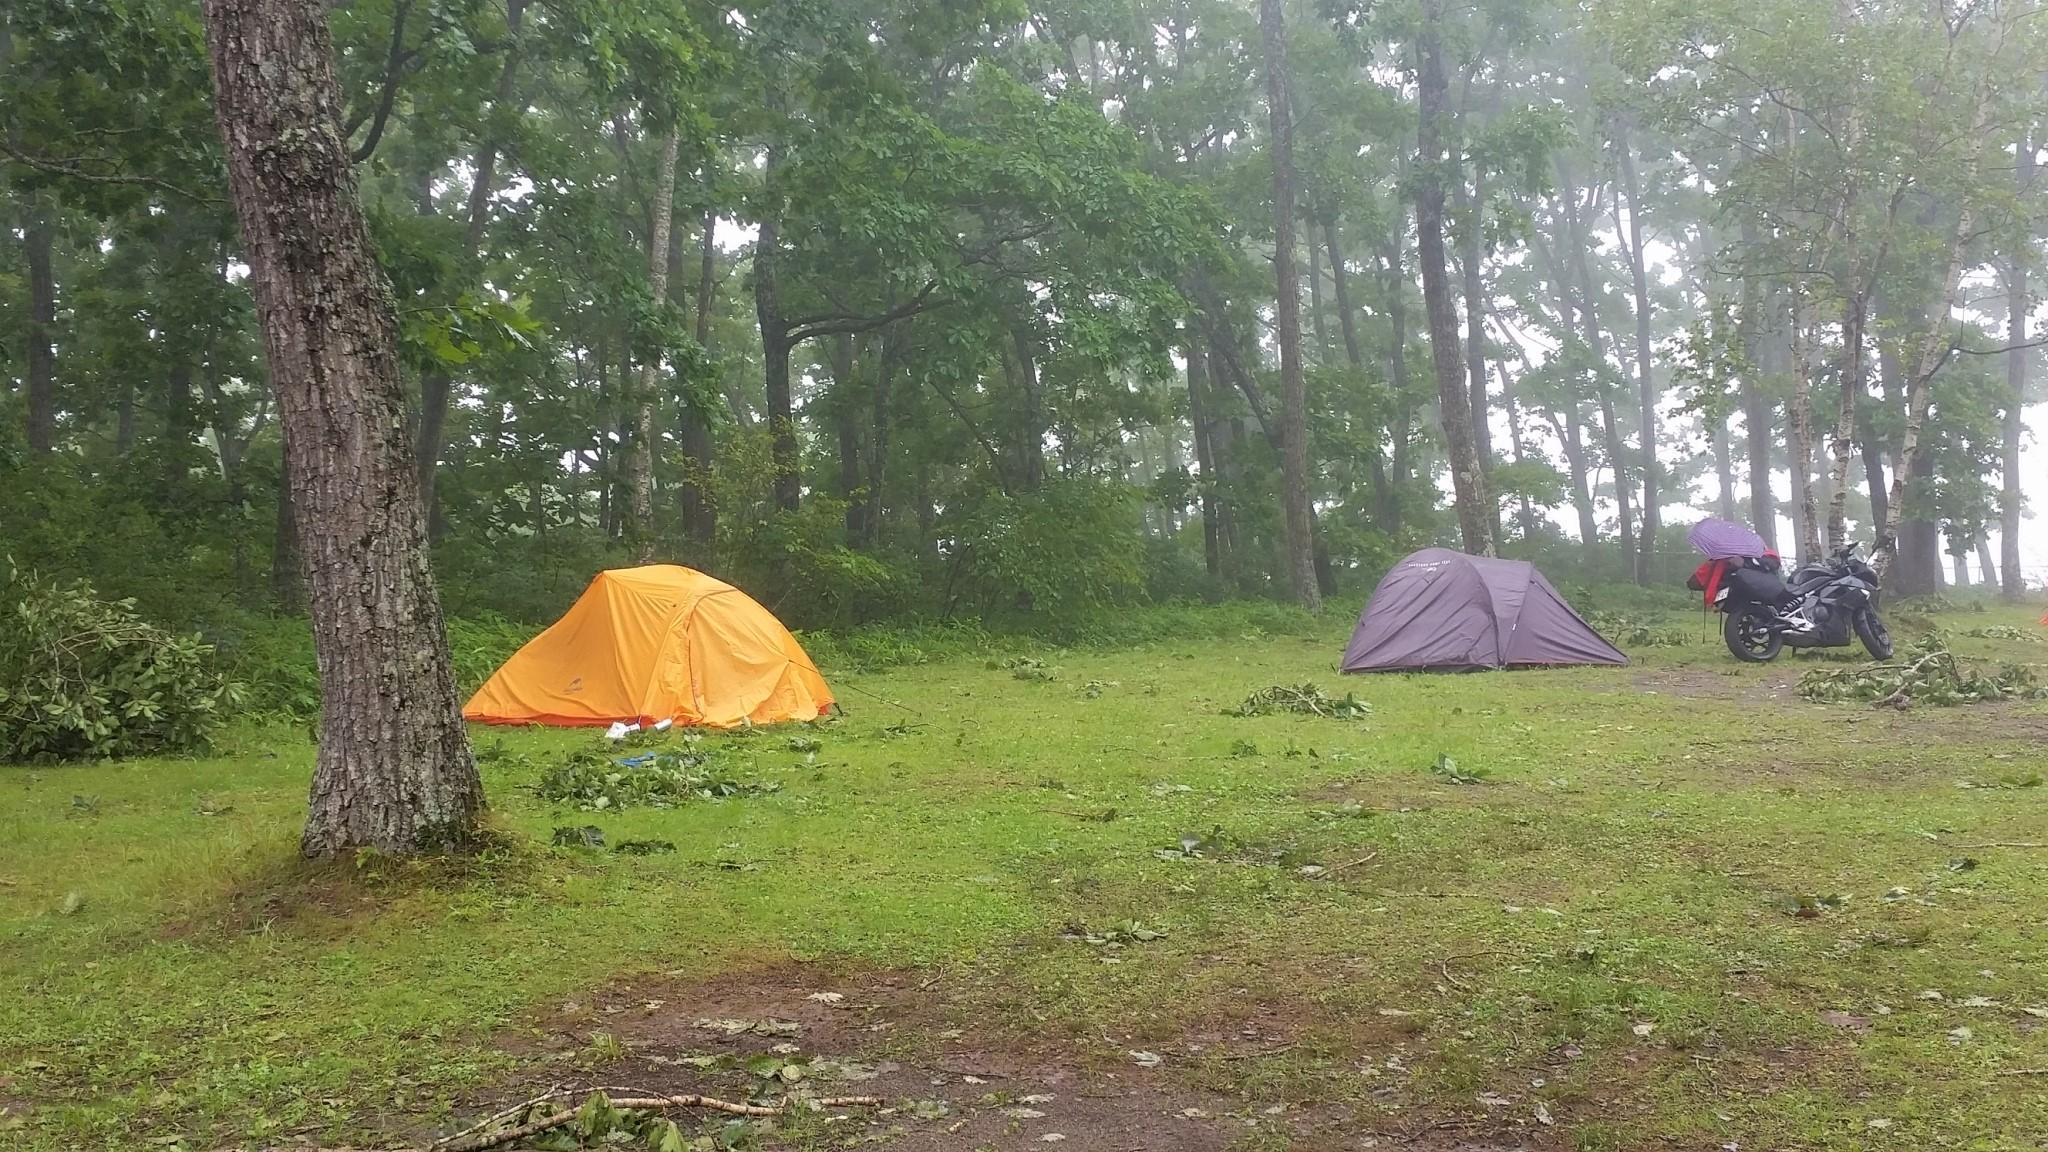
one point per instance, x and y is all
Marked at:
(1837, 601)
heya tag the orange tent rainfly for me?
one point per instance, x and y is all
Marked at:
(657, 643)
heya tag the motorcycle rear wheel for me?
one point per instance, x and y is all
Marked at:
(1877, 639)
(1750, 637)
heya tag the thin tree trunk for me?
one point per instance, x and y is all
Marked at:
(848, 430)
(878, 437)
(41, 382)
(1724, 467)
(1397, 372)
(1354, 355)
(1475, 506)
(1985, 566)
(647, 396)
(2012, 581)
(1756, 404)
(1871, 447)
(1031, 436)
(1471, 264)
(1801, 409)
(775, 347)
(1850, 375)
(1525, 512)
(1577, 244)
(394, 770)
(1294, 481)
(436, 384)
(1645, 380)
(1913, 458)
(1208, 484)
(1315, 293)
(699, 514)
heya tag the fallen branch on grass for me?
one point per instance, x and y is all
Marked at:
(1368, 858)
(2025, 1072)
(474, 1139)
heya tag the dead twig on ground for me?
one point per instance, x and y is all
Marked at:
(1368, 858)
(2025, 1072)
(474, 1140)
(1258, 1055)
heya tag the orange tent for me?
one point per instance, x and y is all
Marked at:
(661, 642)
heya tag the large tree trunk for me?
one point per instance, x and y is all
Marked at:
(1294, 481)
(1984, 563)
(1475, 506)
(2012, 582)
(287, 577)
(1645, 379)
(436, 384)
(647, 395)
(394, 770)
(42, 320)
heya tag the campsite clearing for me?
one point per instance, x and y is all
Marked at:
(1595, 908)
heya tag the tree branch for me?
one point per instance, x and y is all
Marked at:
(394, 68)
(71, 170)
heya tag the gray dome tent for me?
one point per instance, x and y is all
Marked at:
(1444, 611)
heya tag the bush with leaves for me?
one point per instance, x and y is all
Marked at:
(1927, 674)
(86, 678)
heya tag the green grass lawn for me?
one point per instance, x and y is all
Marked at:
(1590, 920)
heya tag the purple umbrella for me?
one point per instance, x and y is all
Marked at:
(1725, 540)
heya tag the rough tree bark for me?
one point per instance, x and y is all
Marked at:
(394, 770)
(1294, 493)
(647, 394)
(1475, 506)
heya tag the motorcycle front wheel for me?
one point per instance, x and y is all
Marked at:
(1750, 637)
(1877, 639)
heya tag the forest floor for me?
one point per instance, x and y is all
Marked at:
(1665, 906)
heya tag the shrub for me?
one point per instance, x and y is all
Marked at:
(86, 678)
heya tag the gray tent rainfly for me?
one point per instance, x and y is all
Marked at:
(1444, 611)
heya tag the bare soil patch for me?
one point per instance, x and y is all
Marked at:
(952, 1076)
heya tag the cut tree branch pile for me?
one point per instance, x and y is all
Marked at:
(487, 1134)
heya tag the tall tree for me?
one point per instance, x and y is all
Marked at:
(394, 769)
(2012, 581)
(1294, 483)
(647, 396)
(1645, 381)
(1454, 400)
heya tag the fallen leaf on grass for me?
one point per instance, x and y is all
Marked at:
(1644, 1028)
(1145, 1059)
(826, 997)
(1543, 1116)
(1052, 1137)
(1023, 1113)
